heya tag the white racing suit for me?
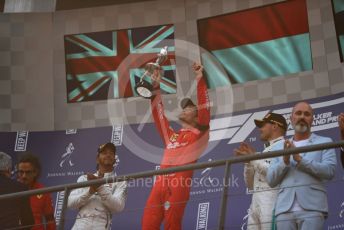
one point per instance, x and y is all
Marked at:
(95, 210)
(263, 198)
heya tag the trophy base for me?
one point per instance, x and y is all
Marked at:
(144, 89)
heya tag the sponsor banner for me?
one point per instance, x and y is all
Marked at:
(71, 131)
(65, 157)
(21, 141)
(202, 216)
(58, 206)
(117, 134)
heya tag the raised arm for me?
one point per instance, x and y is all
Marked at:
(202, 98)
(157, 106)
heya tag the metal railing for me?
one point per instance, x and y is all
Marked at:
(225, 162)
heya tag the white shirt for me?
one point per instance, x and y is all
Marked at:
(95, 210)
(255, 171)
(268, 148)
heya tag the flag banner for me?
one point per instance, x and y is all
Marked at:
(107, 65)
(257, 43)
(338, 10)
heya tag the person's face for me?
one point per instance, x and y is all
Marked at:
(27, 174)
(6, 173)
(302, 118)
(106, 158)
(189, 114)
(265, 131)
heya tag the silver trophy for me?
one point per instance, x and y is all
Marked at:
(143, 88)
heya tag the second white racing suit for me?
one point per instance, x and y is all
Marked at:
(95, 210)
(263, 198)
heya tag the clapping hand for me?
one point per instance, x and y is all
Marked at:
(286, 158)
(94, 188)
(244, 149)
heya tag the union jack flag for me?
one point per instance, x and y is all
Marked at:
(107, 65)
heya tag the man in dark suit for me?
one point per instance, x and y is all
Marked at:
(341, 128)
(14, 213)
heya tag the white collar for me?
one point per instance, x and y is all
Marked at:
(107, 174)
(272, 142)
(309, 139)
(276, 140)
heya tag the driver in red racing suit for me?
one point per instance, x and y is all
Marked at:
(170, 193)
